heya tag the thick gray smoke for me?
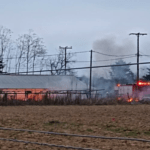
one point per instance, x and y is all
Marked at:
(124, 49)
(110, 46)
(122, 74)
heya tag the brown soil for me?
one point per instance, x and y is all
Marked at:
(114, 121)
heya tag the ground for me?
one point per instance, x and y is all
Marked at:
(106, 120)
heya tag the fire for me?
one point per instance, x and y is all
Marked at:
(130, 100)
(142, 83)
(119, 98)
(118, 85)
(23, 94)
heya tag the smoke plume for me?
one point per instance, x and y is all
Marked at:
(110, 46)
(109, 49)
(114, 51)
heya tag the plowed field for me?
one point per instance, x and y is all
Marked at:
(114, 121)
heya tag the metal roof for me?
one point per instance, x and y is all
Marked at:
(41, 82)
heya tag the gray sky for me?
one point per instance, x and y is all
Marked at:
(79, 23)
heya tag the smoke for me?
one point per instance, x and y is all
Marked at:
(105, 86)
(110, 46)
(112, 52)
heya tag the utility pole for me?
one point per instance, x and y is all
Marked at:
(138, 35)
(65, 48)
(1, 64)
(90, 74)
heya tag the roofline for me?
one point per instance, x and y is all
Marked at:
(31, 75)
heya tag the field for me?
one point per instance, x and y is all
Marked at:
(104, 120)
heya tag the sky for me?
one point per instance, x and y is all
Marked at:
(81, 24)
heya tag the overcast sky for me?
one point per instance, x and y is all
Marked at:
(79, 23)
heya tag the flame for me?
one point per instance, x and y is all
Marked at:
(119, 98)
(118, 85)
(142, 83)
(20, 94)
(130, 100)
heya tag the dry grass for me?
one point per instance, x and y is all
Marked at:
(62, 100)
(108, 120)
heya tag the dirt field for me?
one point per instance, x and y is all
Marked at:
(119, 120)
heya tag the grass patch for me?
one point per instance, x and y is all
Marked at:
(89, 130)
(55, 123)
(133, 133)
(147, 133)
(76, 125)
(110, 125)
(123, 131)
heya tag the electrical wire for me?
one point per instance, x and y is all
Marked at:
(87, 67)
(50, 55)
(79, 52)
(113, 55)
(106, 59)
(144, 54)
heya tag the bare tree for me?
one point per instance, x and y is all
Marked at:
(5, 36)
(57, 64)
(5, 44)
(8, 56)
(38, 51)
(20, 53)
(30, 47)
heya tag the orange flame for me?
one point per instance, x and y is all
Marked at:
(130, 100)
(118, 85)
(119, 98)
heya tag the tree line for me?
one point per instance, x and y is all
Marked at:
(28, 53)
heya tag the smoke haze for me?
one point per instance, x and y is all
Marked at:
(106, 78)
(111, 47)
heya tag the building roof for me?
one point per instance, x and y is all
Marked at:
(41, 82)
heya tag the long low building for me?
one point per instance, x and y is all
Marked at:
(33, 86)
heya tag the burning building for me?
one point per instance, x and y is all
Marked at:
(35, 86)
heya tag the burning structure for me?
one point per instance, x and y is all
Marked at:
(25, 87)
(131, 92)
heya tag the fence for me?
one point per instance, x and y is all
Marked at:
(62, 97)
(38, 94)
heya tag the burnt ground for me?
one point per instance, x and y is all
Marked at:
(108, 120)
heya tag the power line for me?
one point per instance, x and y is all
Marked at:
(144, 54)
(113, 55)
(80, 52)
(50, 55)
(74, 53)
(107, 59)
(85, 61)
(87, 67)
